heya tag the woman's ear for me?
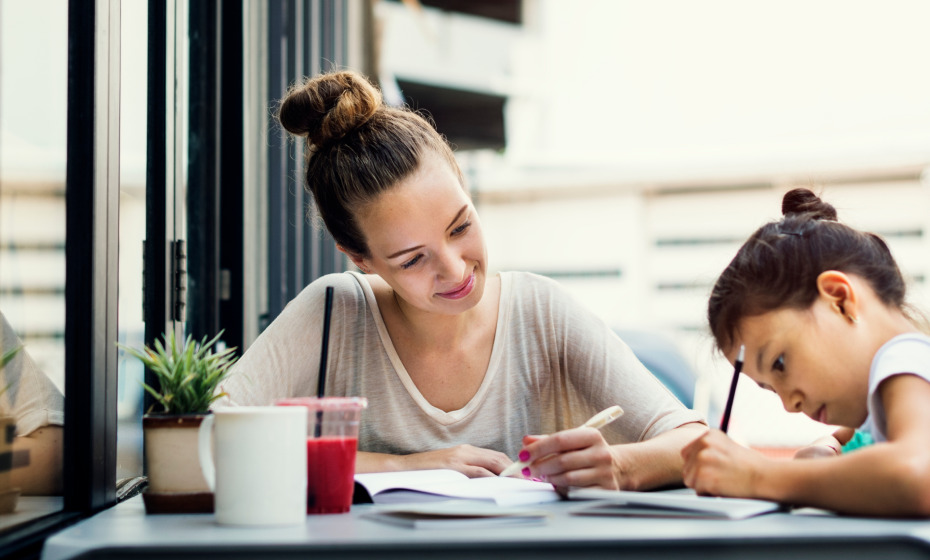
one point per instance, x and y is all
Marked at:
(838, 290)
(356, 259)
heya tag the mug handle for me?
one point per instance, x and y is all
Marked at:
(204, 437)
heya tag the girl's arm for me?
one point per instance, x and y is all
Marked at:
(891, 478)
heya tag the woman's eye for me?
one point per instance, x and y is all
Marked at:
(779, 364)
(461, 229)
(411, 262)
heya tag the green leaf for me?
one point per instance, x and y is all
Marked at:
(188, 374)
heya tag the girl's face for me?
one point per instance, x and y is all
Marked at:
(425, 240)
(814, 359)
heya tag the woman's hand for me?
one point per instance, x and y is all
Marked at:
(576, 457)
(469, 460)
(715, 465)
(581, 457)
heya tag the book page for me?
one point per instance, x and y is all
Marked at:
(434, 485)
(667, 504)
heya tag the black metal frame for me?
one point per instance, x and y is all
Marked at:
(215, 174)
(303, 35)
(92, 199)
(156, 283)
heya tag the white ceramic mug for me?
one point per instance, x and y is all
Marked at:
(260, 473)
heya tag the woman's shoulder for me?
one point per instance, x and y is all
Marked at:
(533, 295)
(347, 288)
(523, 280)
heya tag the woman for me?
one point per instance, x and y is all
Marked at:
(458, 365)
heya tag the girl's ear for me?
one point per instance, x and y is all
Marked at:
(837, 289)
(356, 259)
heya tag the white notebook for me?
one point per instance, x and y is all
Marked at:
(442, 484)
(680, 503)
(455, 514)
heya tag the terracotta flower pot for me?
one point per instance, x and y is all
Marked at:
(8, 494)
(176, 483)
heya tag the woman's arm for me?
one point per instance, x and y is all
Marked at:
(891, 478)
(43, 475)
(469, 460)
(581, 457)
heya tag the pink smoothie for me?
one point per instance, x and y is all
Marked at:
(330, 474)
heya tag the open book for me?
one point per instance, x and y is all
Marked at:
(442, 484)
(674, 503)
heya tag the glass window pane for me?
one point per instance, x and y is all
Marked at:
(133, 83)
(33, 108)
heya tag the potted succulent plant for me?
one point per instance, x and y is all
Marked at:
(8, 494)
(188, 374)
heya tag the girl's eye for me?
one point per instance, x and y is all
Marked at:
(779, 364)
(766, 387)
(461, 229)
(411, 262)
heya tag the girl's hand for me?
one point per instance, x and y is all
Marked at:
(817, 451)
(717, 466)
(826, 446)
(469, 460)
(576, 457)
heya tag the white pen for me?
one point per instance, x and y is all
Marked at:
(598, 421)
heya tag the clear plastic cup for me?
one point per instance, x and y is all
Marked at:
(332, 442)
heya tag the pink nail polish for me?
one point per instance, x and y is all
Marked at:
(524, 456)
(525, 472)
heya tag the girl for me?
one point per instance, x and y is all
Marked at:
(457, 364)
(820, 309)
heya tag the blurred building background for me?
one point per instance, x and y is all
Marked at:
(628, 148)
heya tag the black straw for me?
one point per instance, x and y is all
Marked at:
(324, 354)
(737, 367)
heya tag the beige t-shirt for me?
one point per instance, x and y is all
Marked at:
(553, 365)
(28, 394)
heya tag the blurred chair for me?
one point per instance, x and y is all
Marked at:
(664, 360)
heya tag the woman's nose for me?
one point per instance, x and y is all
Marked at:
(451, 265)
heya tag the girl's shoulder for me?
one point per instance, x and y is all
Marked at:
(912, 341)
(908, 352)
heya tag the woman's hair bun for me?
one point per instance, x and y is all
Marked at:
(329, 106)
(803, 201)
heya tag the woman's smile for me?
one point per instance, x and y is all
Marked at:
(461, 290)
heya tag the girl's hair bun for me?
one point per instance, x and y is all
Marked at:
(329, 106)
(803, 201)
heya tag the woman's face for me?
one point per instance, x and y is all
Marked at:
(425, 240)
(811, 358)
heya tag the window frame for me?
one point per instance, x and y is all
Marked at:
(91, 243)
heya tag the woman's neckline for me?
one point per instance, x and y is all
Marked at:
(439, 415)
